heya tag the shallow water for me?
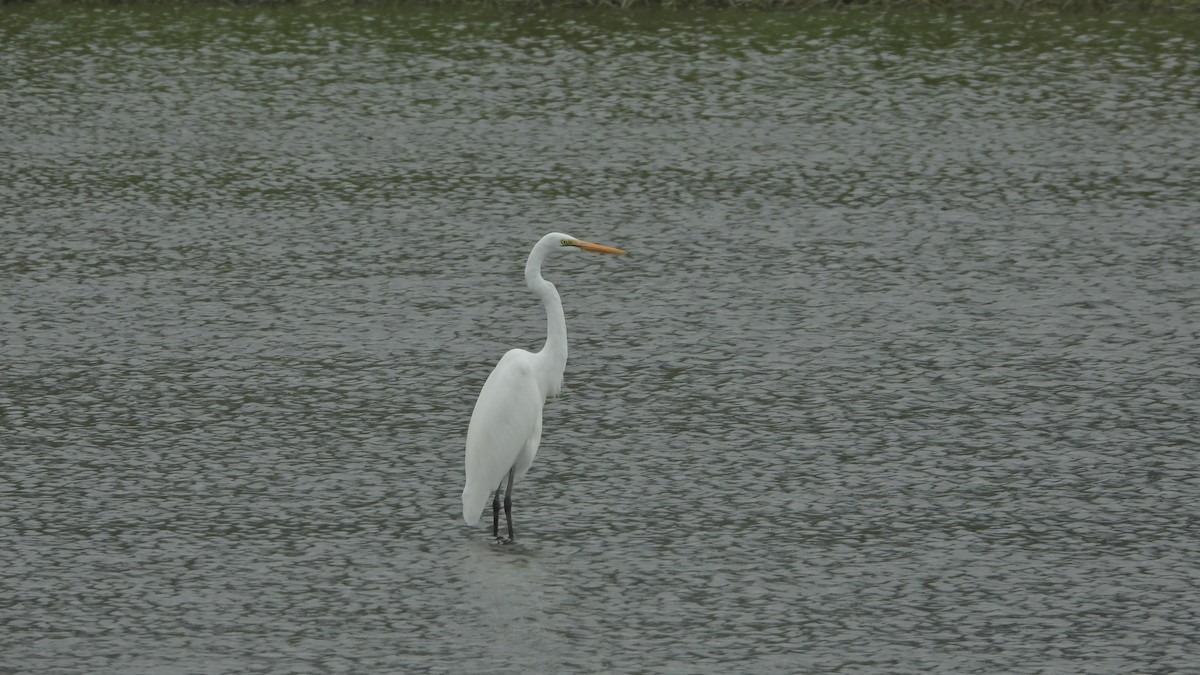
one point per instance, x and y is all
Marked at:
(900, 375)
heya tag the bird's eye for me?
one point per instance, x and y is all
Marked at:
(568, 242)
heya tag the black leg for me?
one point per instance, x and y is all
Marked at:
(508, 504)
(496, 511)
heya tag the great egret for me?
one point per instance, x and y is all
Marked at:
(506, 424)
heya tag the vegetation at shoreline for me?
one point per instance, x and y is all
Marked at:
(1167, 6)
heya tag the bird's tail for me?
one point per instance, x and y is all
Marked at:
(474, 499)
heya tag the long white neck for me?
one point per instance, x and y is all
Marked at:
(553, 356)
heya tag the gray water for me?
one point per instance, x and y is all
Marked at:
(900, 375)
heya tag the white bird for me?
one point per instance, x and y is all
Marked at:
(506, 424)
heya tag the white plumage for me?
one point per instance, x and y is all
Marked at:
(504, 431)
(506, 425)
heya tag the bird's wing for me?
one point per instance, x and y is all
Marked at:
(505, 416)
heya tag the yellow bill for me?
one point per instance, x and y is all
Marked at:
(596, 248)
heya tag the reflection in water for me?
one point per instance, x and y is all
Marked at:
(900, 372)
(516, 594)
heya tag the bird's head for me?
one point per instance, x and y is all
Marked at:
(552, 244)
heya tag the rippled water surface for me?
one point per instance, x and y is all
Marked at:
(900, 376)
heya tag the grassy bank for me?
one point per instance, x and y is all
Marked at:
(949, 5)
(1167, 6)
